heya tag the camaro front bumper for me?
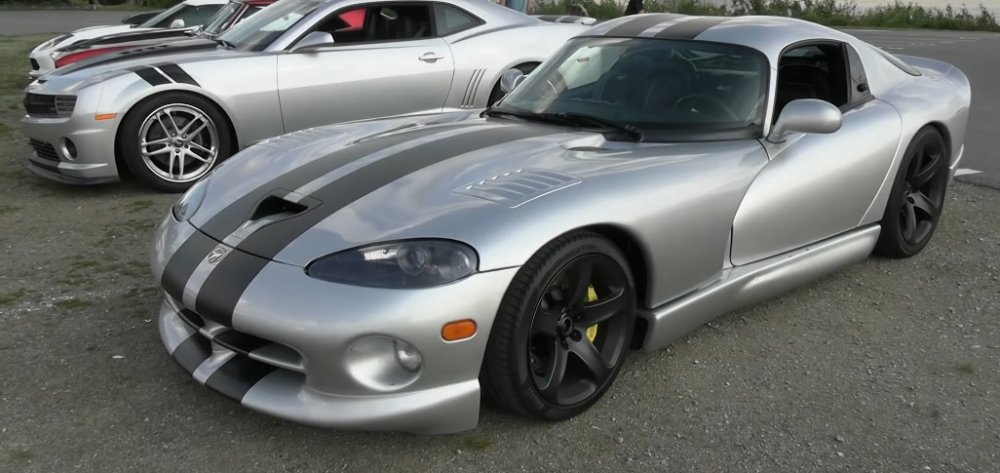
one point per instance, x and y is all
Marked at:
(323, 354)
(74, 150)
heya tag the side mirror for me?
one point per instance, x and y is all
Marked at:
(806, 116)
(178, 23)
(510, 79)
(314, 39)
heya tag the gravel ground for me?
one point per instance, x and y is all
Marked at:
(888, 366)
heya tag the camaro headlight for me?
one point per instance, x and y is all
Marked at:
(186, 207)
(404, 264)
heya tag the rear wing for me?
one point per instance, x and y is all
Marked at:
(583, 20)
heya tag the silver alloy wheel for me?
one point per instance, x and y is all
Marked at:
(179, 143)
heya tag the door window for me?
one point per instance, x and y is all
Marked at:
(385, 22)
(451, 20)
(815, 71)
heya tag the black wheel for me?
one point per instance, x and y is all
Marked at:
(497, 94)
(172, 140)
(917, 197)
(563, 330)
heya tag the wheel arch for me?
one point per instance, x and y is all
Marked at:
(946, 135)
(230, 126)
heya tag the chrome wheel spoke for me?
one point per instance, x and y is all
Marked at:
(175, 127)
(202, 148)
(163, 150)
(192, 154)
(194, 133)
(160, 141)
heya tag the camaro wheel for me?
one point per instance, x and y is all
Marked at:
(563, 329)
(172, 140)
(917, 197)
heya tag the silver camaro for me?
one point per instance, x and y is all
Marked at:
(657, 172)
(170, 112)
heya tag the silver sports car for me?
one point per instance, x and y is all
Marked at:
(658, 171)
(169, 113)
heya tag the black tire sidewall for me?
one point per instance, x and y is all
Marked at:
(509, 379)
(891, 242)
(128, 137)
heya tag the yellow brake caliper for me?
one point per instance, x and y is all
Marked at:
(592, 330)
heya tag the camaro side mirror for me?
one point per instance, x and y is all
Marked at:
(806, 116)
(178, 23)
(510, 79)
(314, 39)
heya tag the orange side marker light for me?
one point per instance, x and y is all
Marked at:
(105, 116)
(458, 330)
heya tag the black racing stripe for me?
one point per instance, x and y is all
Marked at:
(183, 263)
(177, 74)
(138, 53)
(219, 294)
(150, 75)
(268, 241)
(192, 352)
(223, 288)
(235, 214)
(690, 29)
(237, 376)
(639, 24)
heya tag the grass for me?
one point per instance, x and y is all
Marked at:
(827, 12)
(73, 304)
(11, 297)
(967, 367)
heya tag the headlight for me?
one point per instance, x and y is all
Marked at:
(404, 264)
(185, 208)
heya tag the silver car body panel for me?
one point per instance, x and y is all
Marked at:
(715, 226)
(278, 91)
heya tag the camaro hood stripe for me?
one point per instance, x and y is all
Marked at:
(136, 53)
(176, 73)
(222, 290)
(150, 75)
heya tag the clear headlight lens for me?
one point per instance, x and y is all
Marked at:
(186, 207)
(404, 264)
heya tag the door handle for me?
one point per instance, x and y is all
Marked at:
(430, 57)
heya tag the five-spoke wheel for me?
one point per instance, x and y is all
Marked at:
(563, 330)
(917, 196)
(172, 140)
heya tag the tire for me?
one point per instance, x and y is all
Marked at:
(917, 197)
(496, 94)
(173, 163)
(541, 321)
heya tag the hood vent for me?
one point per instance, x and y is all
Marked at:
(518, 187)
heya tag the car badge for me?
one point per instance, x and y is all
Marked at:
(216, 255)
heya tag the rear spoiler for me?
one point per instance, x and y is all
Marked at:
(583, 20)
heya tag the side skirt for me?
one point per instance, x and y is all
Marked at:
(745, 285)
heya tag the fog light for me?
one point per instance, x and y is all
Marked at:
(70, 148)
(407, 356)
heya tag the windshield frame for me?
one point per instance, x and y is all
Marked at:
(666, 132)
(251, 27)
(151, 23)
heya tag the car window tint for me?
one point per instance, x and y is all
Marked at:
(388, 22)
(450, 20)
(816, 71)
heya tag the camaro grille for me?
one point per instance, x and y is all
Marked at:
(49, 106)
(44, 150)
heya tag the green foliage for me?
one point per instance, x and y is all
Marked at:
(826, 12)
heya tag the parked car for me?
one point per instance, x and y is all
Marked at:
(234, 12)
(171, 112)
(657, 172)
(140, 18)
(187, 14)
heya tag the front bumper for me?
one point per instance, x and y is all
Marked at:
(292, 349)
(94, 141)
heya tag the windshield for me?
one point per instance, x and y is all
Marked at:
(668, 90)
(155, 21)
(219, 21)
(260, 30)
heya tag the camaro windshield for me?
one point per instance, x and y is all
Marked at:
(152, 22)
(667, 90)
(215, 25)
(259, 31)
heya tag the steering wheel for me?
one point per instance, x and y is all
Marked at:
(715, 107)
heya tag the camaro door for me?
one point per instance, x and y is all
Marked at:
(817, 185)
(383, 60)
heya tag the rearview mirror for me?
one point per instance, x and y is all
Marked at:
(314, 39)
(510, 79)
(178, 23)
(806, 116)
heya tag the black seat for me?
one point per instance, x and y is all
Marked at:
(801, 81)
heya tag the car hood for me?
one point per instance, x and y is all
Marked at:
(455, 175)
(177, 52)
(135, 34)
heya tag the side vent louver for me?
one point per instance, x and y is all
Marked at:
(472, 88)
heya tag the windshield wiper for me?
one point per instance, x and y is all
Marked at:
(568, 118)
(581, 119)
(225, 43)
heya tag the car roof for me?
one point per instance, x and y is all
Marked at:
(768, 34)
